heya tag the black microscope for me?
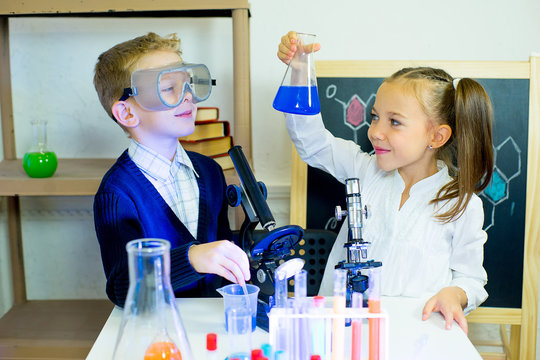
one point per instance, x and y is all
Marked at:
(358, 262)
(264, 252)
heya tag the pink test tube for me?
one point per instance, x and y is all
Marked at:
(374, 306)
(356, 351)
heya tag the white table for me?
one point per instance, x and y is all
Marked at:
(409, 336)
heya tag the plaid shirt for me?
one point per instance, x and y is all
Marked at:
(175, 181)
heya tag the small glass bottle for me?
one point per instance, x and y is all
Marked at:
(151, 326)
(39, 161)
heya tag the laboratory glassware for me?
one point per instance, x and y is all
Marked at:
(39, 161)
(151, 326)
(234, 298)
(298, 91)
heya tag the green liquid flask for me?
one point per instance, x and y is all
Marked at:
(39, 161)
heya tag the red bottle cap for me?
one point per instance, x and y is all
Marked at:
(315, 357)
(256, 354)
(318, 301)
(211, 342)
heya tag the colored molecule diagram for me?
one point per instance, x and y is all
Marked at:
(354, 110)
(504, 171)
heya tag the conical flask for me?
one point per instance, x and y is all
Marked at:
(298, 91)
(39, 161)
(151, 326)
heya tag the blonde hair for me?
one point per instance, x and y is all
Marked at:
(469, 151)
(114, 66)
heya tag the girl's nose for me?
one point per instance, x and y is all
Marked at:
(375, 132)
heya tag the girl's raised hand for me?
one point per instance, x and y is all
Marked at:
(449, 302)
(289, 45)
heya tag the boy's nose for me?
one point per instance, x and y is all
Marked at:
(188, 97)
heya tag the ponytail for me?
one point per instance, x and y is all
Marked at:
(471, 149)
(464, 106)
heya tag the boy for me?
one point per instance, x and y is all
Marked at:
(155, 188)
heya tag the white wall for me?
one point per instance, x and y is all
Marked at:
(52, 61)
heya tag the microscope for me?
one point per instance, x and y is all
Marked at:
(358, 262)
(263, 253)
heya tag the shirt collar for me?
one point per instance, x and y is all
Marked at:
(156, 165)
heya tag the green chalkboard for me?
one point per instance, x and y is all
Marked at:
(346, 104)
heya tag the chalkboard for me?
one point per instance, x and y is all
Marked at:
(346, 104)
(512, 252)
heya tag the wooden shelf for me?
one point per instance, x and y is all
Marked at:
(73, 177)
(52, 329)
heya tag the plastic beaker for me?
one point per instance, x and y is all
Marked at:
(234, 298)
(298, 91)
(151, 326)
(239, 322)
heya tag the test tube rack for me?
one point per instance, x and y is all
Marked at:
(297, 336)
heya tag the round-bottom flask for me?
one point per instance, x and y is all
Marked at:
(151, 326)
(39, 161)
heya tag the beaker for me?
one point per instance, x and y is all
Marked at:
(234, 298)
(39, 161)
(239, 323)
(151, 327)
(298, 91)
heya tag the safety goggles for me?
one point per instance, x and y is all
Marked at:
(165, 87)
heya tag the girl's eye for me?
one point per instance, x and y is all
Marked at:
(394, 122)
(374, 117)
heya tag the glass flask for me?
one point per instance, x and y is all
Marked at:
(151, 326)
(298, 91)
(40, 161)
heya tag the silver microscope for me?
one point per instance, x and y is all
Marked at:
(358, 262)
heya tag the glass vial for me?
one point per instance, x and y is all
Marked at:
(298, 91)
(151, 326)
(39, 161)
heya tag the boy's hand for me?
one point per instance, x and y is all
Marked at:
(449, 302)
(222, 258)
(288, 46)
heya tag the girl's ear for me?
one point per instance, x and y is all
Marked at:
(441, 135)
(124, 114)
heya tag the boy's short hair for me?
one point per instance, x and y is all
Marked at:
(114, 66)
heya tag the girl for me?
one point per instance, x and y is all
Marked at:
(433, 152)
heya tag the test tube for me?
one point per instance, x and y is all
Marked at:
(318, 337)
(356, 341)
(338, 328)
(302, 343)
(374, 306)
(280, 285)
(239, 333)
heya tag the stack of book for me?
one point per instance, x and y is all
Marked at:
(211, 137)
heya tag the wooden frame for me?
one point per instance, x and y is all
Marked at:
(523, 322)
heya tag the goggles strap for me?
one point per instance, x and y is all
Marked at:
(127, 93)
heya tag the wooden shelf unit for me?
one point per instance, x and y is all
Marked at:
(81, 177)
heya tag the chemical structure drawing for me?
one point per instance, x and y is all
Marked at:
(354, 111)
(498, 189)
(355, 117)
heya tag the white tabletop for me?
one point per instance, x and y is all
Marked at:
(409, 336)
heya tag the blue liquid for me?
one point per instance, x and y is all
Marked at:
(253, 322)
(296, 100)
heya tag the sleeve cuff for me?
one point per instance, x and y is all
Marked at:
(476, 294)
(182, 273)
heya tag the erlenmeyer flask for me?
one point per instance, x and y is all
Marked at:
(39, 161)
(151, 326)
(298, 91)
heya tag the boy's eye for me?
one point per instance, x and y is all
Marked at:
(167, 89)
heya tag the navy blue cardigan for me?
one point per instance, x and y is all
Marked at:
(127, 207)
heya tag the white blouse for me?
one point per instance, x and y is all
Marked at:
(420, 255)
